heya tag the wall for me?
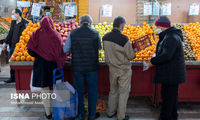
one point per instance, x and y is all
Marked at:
(127, 8)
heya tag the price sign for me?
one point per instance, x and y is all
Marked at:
(107, 10)
(194, 9)
(148, 8)
(166, 9)
(23, 4)
(36, 9)
(69, 10)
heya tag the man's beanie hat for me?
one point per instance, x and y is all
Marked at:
(163, 21)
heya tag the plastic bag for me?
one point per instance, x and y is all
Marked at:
(65, 105)
(145, 66)
(32, 88)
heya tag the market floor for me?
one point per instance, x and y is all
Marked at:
(139, 108)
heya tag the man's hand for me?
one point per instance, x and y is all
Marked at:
(150, 65)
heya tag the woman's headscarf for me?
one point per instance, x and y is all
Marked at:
(47, 42)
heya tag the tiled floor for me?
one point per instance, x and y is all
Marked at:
(139, 108)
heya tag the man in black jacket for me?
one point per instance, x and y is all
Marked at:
(17, 27)
(170, 66)
(84, 43)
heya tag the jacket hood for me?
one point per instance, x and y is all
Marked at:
(176, 31)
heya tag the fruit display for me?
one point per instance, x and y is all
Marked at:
(135, 32)
(193, 32)
(102, 29)
(24, 12)
(5, 23)
(3, 31)
(8, 19)
(64, 28)
(20, 53)
(188, 52)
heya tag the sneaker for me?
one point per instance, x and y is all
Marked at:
(95, 117)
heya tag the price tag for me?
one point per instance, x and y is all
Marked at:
(166, 9)
(69, 10)
(107, 10)
(194, 9)
(70, 7)
(148, 8)
(23, 4)
(36, 9)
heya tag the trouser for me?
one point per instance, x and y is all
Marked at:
(169, 102)
(12, 71)
(120, 84)
(92, 80)
(47, 102)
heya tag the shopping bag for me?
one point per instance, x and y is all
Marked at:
(32, 88)
(65, 105)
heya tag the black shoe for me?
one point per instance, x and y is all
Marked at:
(126, 117)
(9, 81)
(49, 117)
(95, 117)
(112, 115)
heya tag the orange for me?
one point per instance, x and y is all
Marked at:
(23, 58)
(15, 54)
(33, 59)
(12, 58)
(20, 54)
(26, 54)
(18, 58)
(28, 58)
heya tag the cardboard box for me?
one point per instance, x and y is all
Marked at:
(142, 43)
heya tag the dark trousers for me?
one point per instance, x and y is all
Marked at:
(169, 102)
(12, 72)
(92, 80)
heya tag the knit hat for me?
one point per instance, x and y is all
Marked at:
(163, 21)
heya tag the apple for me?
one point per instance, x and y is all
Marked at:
(69, 29)
(71, 22)
(76, 24)
(73, 27)
(64, 22)
(104, 23)
(58, 28)
(65, 29)
(62, 31)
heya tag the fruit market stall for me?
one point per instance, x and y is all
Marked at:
(141, 84)
(142, 81)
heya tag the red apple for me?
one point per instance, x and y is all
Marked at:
(64, 22)
(71, 22)
(65, 29)
(69, 29)
(76, 24)
(62, 31)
